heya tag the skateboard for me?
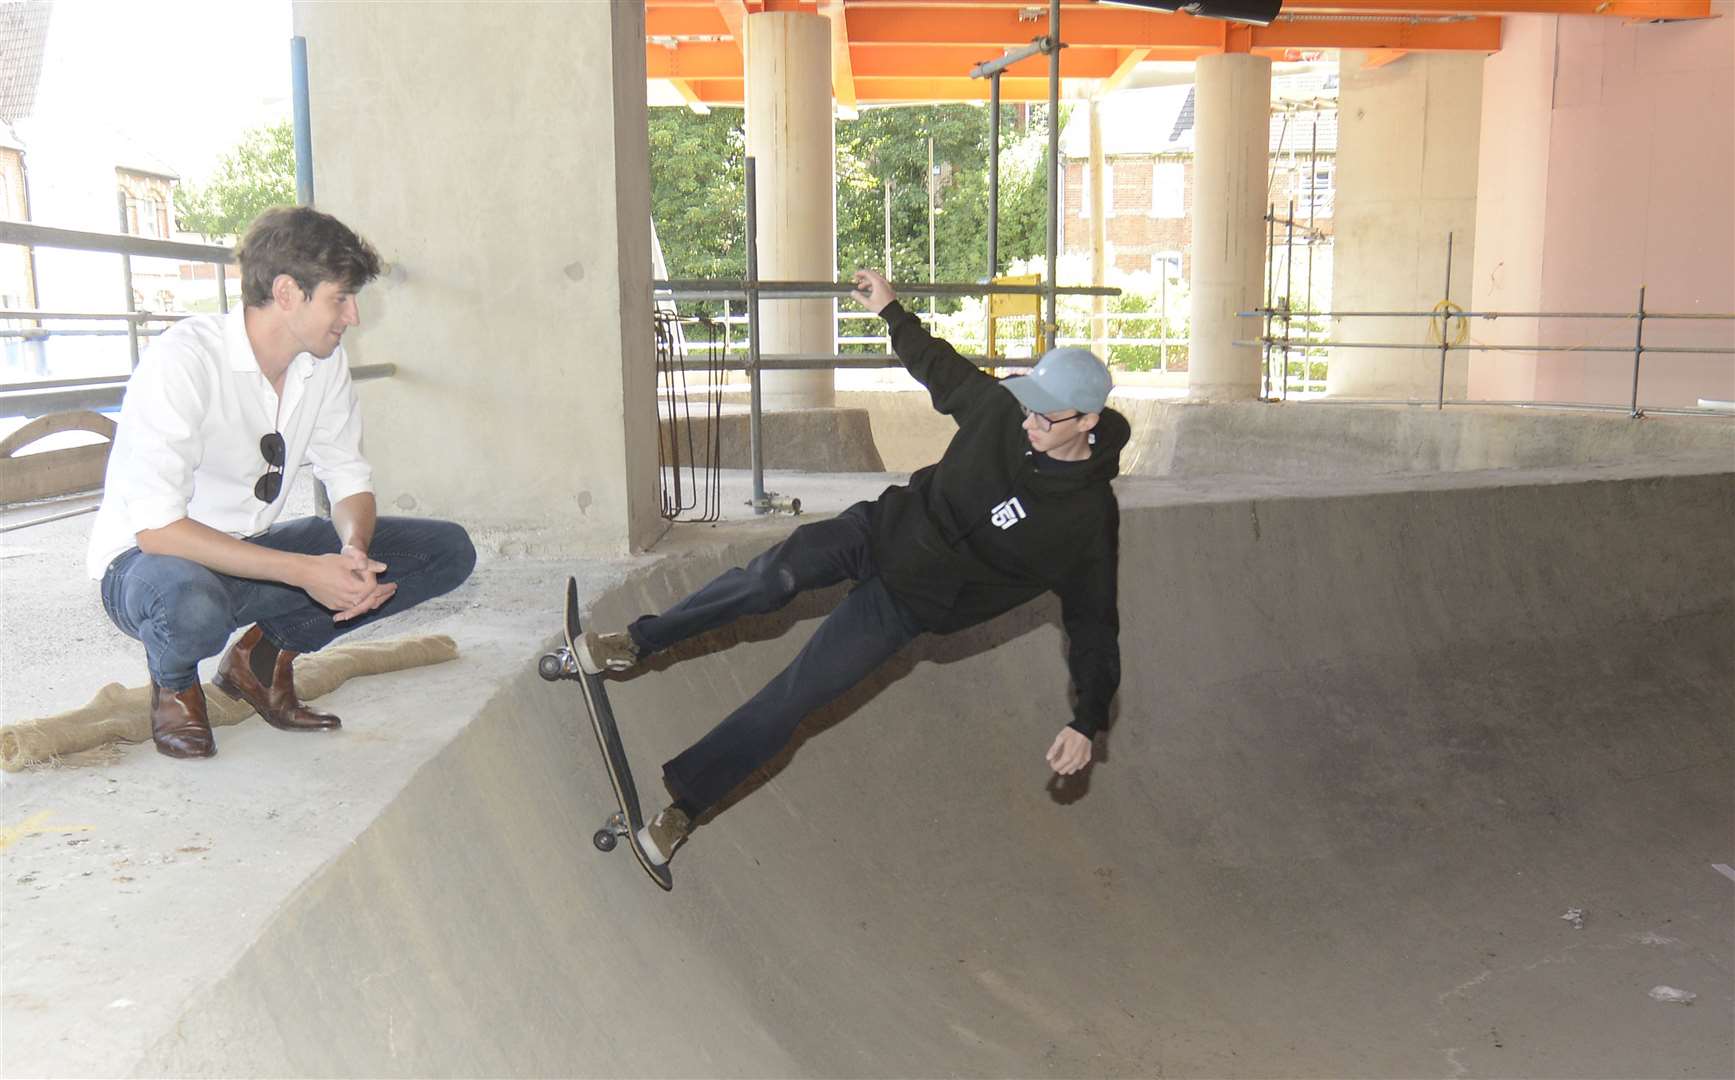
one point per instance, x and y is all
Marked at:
(626, 822)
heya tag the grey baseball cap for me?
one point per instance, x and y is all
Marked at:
(1065, 378)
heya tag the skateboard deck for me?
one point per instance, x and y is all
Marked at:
(626, 822)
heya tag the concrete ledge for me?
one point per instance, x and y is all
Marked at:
(1322, 439)
(839, 440)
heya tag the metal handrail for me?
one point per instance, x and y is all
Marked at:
(106, 393)
(1288, 343)
(30, 234)
(699, 289)
(1297, 313)
(102, 316)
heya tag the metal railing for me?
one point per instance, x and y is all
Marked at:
(45, 396)
(755, 361)
(732, 341)
(1279, 341)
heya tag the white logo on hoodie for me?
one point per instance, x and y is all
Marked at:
(1007, 514)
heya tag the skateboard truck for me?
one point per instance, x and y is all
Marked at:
(612, 832)
(559, 664)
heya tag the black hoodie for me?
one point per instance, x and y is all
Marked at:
(993, 525)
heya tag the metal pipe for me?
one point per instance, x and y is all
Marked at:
(37, 333)
(1270, 295)
(1638, 351)
(115, 316)
(303, 121)
(1588, 406)
(45, 519)
(122, 243)
(126, 274)
(1053, 165)
(993, 177)
(756, 443)
(105, 393)
(1288, 292)
(700, 289)
(1445, 324)
(993, 202)
(932, 274)
(992, 68)
(1650, 316)
(1681, 350)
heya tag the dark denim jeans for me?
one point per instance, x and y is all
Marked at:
(858, 636)
(183, 612)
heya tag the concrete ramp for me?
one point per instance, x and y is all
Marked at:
(1370, 748)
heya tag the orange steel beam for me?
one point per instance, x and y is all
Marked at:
(734, 16)
(1379, 58)
(842, 68)
(1626, 9)
(1129, 59)
(1471, 35)
(721, 60)
(1085, 22)
(879, 91)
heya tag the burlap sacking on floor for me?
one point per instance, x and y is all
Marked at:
(123, 713)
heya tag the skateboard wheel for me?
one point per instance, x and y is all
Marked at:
(604, 839)
(550, 667)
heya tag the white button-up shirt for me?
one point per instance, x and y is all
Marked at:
(188, 440)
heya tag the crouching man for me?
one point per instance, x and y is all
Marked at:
(221, 416)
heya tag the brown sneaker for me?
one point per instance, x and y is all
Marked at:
(666, 832)
(606, 652)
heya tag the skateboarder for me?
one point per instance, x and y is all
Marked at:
(222, 414)
(1018, 505)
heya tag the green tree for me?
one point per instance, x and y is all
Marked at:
(257, 175)
(698, 196)
(892, 144)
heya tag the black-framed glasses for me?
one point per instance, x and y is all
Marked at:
(1044, 422)
(270, 485)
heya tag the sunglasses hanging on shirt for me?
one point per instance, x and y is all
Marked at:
(270, 485)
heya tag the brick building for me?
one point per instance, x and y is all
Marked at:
(1147, 138)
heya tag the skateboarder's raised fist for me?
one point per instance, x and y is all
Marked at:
(873, 291)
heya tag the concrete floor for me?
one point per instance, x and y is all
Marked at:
(1378, 734)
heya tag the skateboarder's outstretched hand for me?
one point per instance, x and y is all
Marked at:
(872, 290)
(1069, 753)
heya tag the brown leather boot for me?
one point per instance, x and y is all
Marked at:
(276, 703)
(179, 725)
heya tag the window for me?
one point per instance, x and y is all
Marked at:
(1084, 202)
(1168, 189)
(1314, 195)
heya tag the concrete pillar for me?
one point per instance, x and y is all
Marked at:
(496, 155)
(1408, 146)
(1232, 103)
(789, 134)
(1607, 149)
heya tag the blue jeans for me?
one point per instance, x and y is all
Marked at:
(183, 612)
(859, 635)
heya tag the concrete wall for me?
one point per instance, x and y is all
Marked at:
(1368, 749)
(1406, 178)
(1178, 438)
(497, 157)
(1608, 150)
